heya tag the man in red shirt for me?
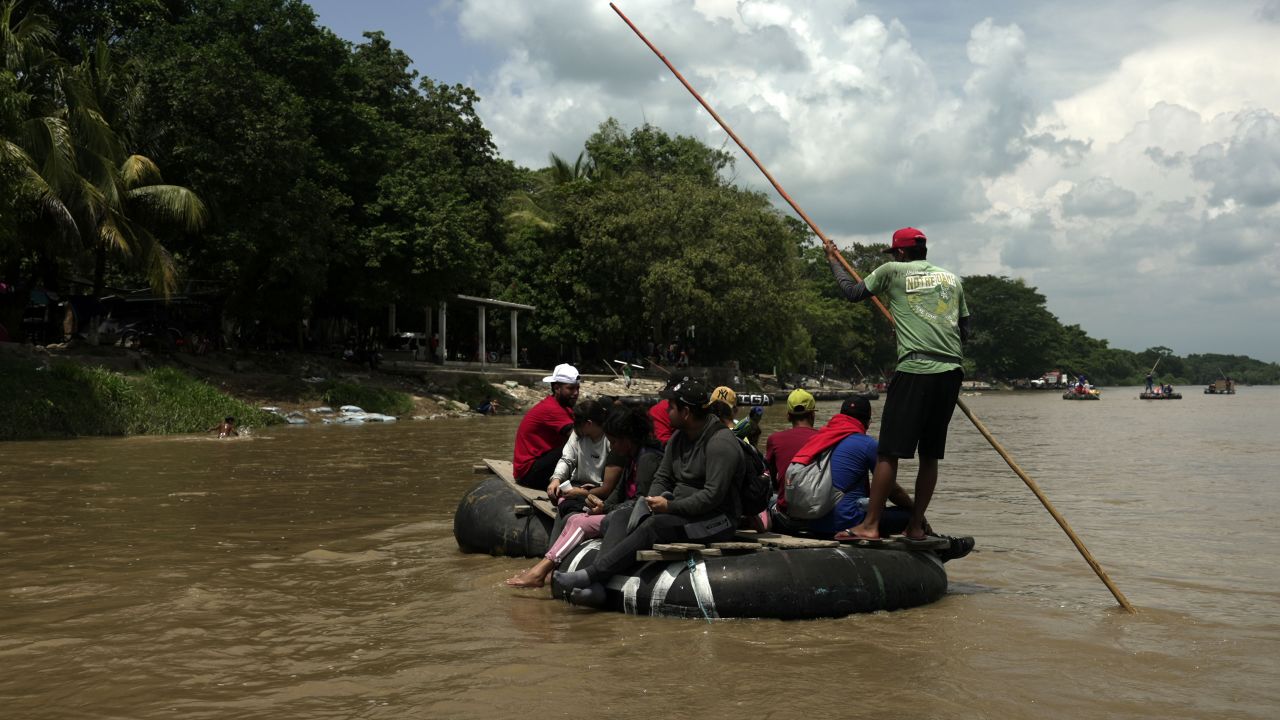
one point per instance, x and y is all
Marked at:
(658, 413)
(545, 428)
(782, 446)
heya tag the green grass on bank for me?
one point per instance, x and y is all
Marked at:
(369, 399)
(70, 400)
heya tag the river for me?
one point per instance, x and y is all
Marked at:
(311, 573)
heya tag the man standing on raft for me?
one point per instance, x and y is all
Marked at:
(932, 323)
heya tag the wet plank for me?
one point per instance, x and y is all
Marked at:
(537, 498)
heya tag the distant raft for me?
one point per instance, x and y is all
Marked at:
(1070, 395)
(1159, 396)
(1221, 387)
(780, 583)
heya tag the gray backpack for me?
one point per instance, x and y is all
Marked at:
(810, 494)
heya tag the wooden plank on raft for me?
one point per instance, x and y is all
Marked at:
(648, 555)
(677, 547)
(481, 469)
(736, 547)
(537, 498)
(785, 542)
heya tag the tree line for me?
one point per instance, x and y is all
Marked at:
(237, 149)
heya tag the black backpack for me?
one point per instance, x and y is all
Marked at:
(756, 486)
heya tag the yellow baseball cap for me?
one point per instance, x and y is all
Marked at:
(725, 395)
(800, 401)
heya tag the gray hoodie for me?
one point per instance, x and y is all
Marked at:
(702, 472)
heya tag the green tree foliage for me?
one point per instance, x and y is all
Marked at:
(1012, 332)
(330, 179)
(67, 130)
(122, 204)
(336, 179)
(856, 339)
(652, 244)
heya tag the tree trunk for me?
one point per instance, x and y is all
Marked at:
(99, 268)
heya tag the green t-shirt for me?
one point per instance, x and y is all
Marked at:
(927, 303)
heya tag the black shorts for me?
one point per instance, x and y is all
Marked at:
(917, 413)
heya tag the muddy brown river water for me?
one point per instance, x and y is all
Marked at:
(312, 573)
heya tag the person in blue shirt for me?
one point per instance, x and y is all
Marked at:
(852, 461)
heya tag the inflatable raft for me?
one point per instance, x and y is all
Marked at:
(781, 583)
(1159, 396)
(765, 576)
(500, 518)
(1070, 395)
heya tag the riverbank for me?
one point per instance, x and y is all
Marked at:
(76, 390)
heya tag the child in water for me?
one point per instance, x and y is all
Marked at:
(227, 428)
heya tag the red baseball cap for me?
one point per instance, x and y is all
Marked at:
(907, 237)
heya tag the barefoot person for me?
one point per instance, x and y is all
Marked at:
(634, 456)
(545, 428)
(580, 472)
(932, 322)
(693, 496)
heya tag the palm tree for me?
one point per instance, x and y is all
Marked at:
(35, 143)
(121, 201)
(562, 172)
(536, 205)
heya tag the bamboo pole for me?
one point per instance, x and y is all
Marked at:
(1035, 488)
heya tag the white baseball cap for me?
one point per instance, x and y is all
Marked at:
(564, 373)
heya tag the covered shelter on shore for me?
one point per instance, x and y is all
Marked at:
(482, 355)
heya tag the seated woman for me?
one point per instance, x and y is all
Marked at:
(634, 456)
(693, 496)
(580, 470)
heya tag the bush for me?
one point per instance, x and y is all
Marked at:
(69, 400)
(178, 403)
(369, 399)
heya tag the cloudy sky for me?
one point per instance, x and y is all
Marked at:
(1121, 156)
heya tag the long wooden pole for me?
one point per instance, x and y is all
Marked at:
(1035, 488)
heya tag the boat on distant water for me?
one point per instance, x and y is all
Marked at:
(1089, 395)
(1160, 396)
(1221, 387)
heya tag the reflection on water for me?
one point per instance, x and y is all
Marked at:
(312, 573)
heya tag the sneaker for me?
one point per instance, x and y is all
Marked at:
(960, 546)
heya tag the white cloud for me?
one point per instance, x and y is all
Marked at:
(1120, 169)
(1099, 197)
(1246, 167)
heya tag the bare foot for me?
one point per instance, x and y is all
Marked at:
(862, 532)
(523, 580)
(914, 533)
